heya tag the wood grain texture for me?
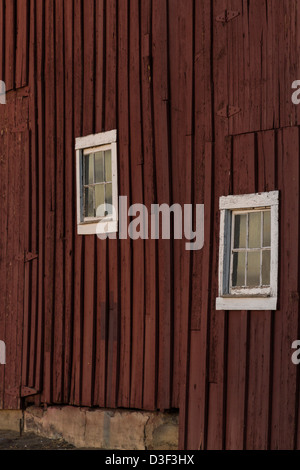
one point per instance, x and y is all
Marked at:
(133, 324)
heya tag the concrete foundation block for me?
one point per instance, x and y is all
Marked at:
(105, 429)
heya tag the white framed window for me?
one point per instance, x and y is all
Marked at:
(97, 183)
(248, 253)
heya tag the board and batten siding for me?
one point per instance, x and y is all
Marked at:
(202, 107)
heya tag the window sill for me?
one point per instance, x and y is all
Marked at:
(246, 303)
(98, 227)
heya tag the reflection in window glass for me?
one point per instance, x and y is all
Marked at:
(266, 267)
(99, 167)
(108, 171)
(238, 273)
(255, 230)
(240, 224)
(99, 200)
(89, 202)
(267, 229)
(89, 169)
(253, 269)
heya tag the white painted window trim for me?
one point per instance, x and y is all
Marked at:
(108, 224)
(259, 300)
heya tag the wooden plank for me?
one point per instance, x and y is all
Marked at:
(58, 282)
(244, 182)
(89, 241)
(3, 238)
(101, 245)
(137, 195)
(78, 250)
(193, 433)
(14, 262)
(113, 256)
(2, 39)
(50, 200)
(22, 43)
(285, 393)
(222, 187)
(31, 245)
(196, 426)
(151, 287)
(162, 159)
(10, 45)
(125, 190)
(177, 62)
(69, 209)
(260, 334)
(38, 48)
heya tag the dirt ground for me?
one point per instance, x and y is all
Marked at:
(10, 440)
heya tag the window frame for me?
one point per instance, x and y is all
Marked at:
(251, 298)
(93, 143)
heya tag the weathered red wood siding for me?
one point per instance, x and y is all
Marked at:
(132, 324)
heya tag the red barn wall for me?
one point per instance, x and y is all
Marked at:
(132, 324)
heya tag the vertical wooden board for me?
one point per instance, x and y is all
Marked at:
(136, 160)
(151, 343)
(244, 182)
(195, 427)
(125, 190)
(111, 88)
(78, 248)
(14, 261)
(162, 161)
(258, 395)
(37, 48)
(238, 65)
(32, 197)
(101, 245)
(180, 54)
(289, 66)
(297, 51)
(3, 238)
(89, 241)
(176, 55)
(22, 44)
(69, 206)
(198, 385)
(244, 174)
(286, 324)
(260, 331)
(28, 323)
(266, 161)
(50, 199)
(236, 380)
(10, 45)
(222, 187)
(59, 305)
(2, 38)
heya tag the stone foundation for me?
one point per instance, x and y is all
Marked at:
(105, 429)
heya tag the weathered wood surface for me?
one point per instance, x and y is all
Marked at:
(133, 324)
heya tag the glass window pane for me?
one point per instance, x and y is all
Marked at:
(99, 200)
(89, 169)
(108, 197)
(267, 229)
(108, 172)
(253, 269)
(254, 229)
(99, 167)
(266, 267)
(240, 221)
(238, 272)
(89, 202)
